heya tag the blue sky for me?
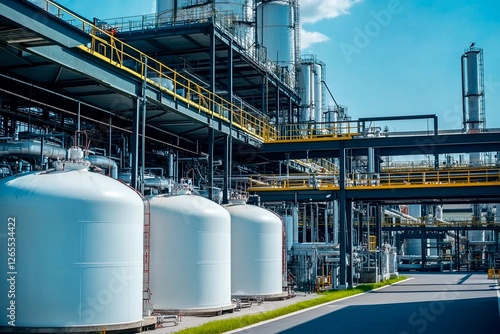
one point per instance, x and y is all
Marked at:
(390, 57)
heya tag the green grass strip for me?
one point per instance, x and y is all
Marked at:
(225, 325)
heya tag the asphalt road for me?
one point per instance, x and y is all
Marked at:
(429, 303)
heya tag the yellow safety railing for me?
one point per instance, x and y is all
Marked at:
(320, 166)
(318, 131)
(427, 178)
(295, 181)
(330, 167)
(477, 176)
(372, 243)
(450, 224)
(117, 53)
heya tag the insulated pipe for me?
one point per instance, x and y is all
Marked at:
(400, 215)
(155, 168)
(317, 222)
(171, 165)
(371, 160)
(295, 215)
(326, 222)
(304, 213)
(297, 177)
(335, 239)
(104, 162)
(313, 227)
(32, 148)
(316, 245)
(157, 182)
(153, 182)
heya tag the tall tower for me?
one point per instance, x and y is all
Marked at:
(474, 120)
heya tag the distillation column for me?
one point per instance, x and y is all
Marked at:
(473, 95)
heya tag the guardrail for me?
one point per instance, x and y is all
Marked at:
(372, 180)
(115, 52)
(318, 131)
(110, 49)
(429, 178)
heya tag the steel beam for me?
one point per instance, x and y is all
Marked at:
(30, 16)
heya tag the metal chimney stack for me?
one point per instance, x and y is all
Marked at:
(473, 94)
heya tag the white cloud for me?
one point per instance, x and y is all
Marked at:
(308, 38)
(312, 11)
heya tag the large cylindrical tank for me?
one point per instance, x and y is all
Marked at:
(240, 9)
(318, 96)
(256, 251)
(241, 15)
(166, 9)
(474, 97)
(473, 88)
(275, 31)
(238, 13)
(190, 263)
(307, 93)
(412, 247)
(71, 250)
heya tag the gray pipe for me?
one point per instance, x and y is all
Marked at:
(105, 162)
(156, 182)
(149, 182)
(32, 148)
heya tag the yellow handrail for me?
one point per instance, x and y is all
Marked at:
(424, 179)
(117, 53)
(110, 49)
(318, 131)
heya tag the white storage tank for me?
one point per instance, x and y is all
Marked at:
(72, 251)
(190, 264)
(275, 22)
(318, 93)
(256, 251)
(307, 93)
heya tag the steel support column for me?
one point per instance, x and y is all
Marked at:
(211, 129)
(350, 267)
(423, 246)
(134, 144)
(360, 223)
(228, 143)
(378, 225)
(277, 106)
(143, 128)
(211, 163)
(226, 186)
(342, 217)
(457, 248)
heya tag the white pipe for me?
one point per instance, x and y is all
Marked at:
(313, 227)
(335, 222)
(371, 160)
(243, 179)
(104, 162)
(295, 215)
(157, 182)
(326, 222)
(298, 177)
(400, 215)
(304, 216)
(32, 148)
(149, 182)
(316, 245)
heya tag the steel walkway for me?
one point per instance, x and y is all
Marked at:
(365, 181)
(105, 46)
